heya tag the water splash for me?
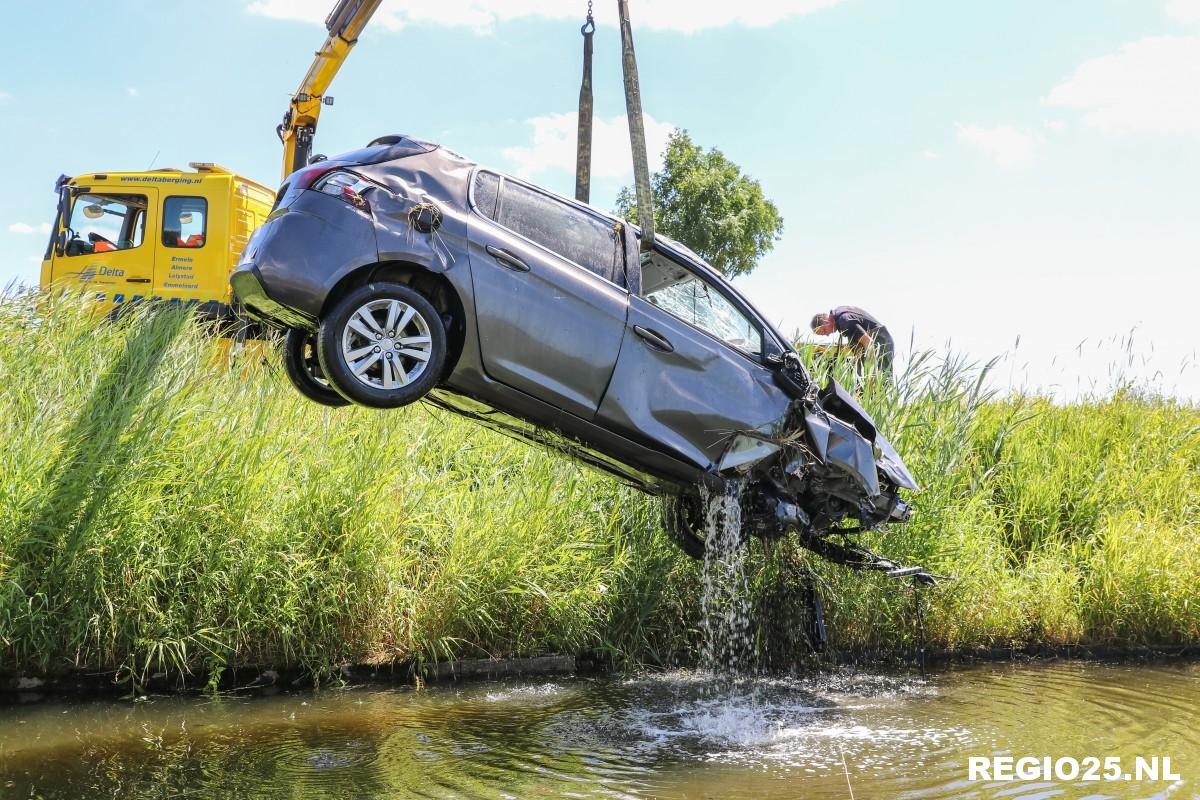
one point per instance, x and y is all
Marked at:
(725, 596)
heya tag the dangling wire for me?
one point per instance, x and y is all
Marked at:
(583, 140)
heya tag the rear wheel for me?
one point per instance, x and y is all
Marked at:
(304, 368)
(383, 345)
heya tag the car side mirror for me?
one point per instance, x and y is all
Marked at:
(788, 361)
(789, 375)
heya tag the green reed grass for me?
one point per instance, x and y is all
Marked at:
(1062, 523)
(169, 506)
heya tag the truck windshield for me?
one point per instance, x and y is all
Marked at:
(105, 222)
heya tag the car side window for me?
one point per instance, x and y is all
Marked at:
(487, 192)
(587, 240)
(688, 296)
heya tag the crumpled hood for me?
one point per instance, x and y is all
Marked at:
(844, 435)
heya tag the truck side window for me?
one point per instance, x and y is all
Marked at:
(185, 222)
(103, 223)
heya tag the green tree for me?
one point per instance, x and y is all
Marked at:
(703, 200)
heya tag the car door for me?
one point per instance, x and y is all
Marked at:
(550, 317)
(106, 248)
(690, 375)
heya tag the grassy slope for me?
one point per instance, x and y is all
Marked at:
(159, 510)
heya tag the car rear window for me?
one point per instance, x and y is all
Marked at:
(587, 240)
(386, 148)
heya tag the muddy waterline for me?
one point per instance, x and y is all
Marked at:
(673, 736)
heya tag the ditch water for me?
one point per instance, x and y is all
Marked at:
(675, 735)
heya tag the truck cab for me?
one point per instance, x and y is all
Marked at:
(167, 235)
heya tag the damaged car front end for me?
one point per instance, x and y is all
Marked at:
(830, 466)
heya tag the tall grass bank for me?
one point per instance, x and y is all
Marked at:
(169, 503)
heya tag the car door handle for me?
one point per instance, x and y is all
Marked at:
(654, 339)
(507, 259)
(137, 280)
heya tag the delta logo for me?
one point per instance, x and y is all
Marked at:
(92, 272)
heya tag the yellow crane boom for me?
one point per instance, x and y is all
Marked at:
(344, 23)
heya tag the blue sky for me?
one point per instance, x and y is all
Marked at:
(975, 173)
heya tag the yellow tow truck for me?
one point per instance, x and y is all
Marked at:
(175, 235)
(167, 235)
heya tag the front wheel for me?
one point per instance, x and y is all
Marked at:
(304, 370)
(383, 345)
(683, 522)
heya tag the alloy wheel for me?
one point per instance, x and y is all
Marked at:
(386, 344)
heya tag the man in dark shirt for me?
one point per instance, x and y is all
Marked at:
(861, 330)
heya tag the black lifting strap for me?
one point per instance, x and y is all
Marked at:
(583, 139)
(637, 131)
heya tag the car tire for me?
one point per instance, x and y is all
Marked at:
(383, 345)
(683, 522)
(303, 368)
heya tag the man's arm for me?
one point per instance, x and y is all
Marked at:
(858, 333)
(850, 326)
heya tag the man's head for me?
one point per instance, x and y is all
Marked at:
(823, 324)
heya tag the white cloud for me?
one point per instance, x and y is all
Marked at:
(685, 16)
(1148, 86)
(22, 228)
(1009, 147)
(1184, 10)
(1056, 125)
(553, 146)
(4, 95)
(930, 155)
(133, 91)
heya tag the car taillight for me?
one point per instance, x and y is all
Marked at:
(345, 186)
(305, 178)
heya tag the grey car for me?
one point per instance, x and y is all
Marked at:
(405, 272)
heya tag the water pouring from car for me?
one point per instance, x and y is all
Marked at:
(725, 595)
